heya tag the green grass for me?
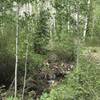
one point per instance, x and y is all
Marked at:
(83, 84)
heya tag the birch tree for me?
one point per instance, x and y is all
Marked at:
(68, 22)
(78, 35)
(86, 21)
(26, 54)
(17, 34)
(90, 18)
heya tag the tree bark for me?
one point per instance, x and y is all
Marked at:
(78, 36)
(68, 23)
(86, 21)
(17, 34)
(26, 55)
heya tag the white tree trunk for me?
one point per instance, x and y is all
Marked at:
(78, 37)
(17, 34)
(2, 23)
(68, 23)
(25, 74)
(26, 54)
(85, 28)
(86, 22)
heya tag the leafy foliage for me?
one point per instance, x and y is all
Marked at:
(81, 85)
(41, 38)
(35, 29)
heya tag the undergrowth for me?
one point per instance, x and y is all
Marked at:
(81, 85)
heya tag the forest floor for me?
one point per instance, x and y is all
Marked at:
(43, 80)
(60, 70)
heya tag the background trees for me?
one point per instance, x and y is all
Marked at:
(31, 30)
